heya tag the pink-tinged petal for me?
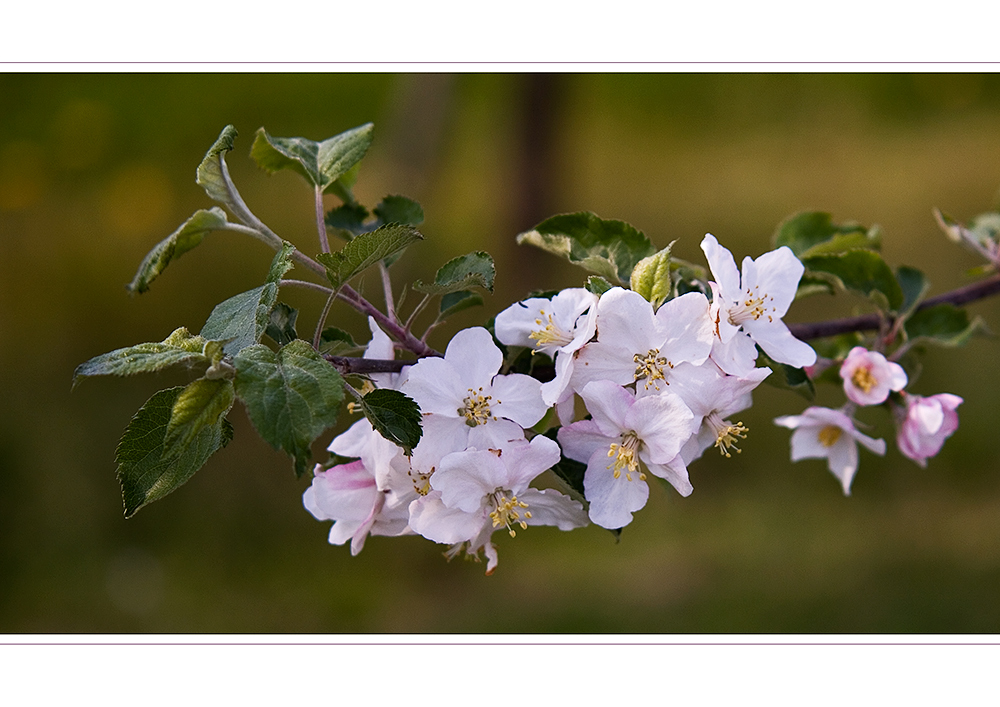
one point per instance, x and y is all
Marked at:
(806, 445)
(436, 386)
(549, 507)
(465, 478)
(494, 434)
(843, 462)
(612, 501)
(897, 377)
(737, 357)
(525, 461)
(608, 404)
(663, 423)
(566, 408)
(435, 521)
(361, 534)
(518, 397)
(675, 471)
(580, 440)
(342, 531)
(474, 355)
(777, 274)
(686, 329)
(722, 265)
(876, 446)
(778, 342)
(346, 491)
(355, 441)
(929, 414)
(309, 501)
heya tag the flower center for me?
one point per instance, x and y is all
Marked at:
(829, 435)
(507, 511)
(754, 306)
(627, 456)
(726, 434)
(651, 368)
(421, 482)
(864, 379)
(476, 409)
(549, 334)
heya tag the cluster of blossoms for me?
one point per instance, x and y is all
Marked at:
(660, 386)
(923, 424)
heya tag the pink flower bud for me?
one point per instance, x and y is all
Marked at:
(926, 424)
(868, 376)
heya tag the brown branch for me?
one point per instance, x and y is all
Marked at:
(869, 322)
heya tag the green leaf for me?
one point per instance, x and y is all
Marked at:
(455, 302)
(211, 172)
(914, 285)
(689, 277)
(337, 341)
(242, 319)
(609, 248)
(787, 377)
(365, 250)
(321, 163)
(944, 325)
(292, 396)
(395, 416)
(598, 285)
(179, 347)
(861, 270)
(349, 218)
(651, 277)
(201, 404)
(189, 235)
(470, 270)
(281, 324)
(399, 209)
(147, 473)
(812, 233)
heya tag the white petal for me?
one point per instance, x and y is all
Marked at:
(722, 265)
(515, 325)
(435, 521)
(687, 329)
(806, 444)
(525, 462)
(464, 478)
(737, 357)
(676, 473)
(581, 440)
(612, 501)
(778, 342)
(777, 274)
(380, 346)
(608, 404)
(553, 390)
(518, 397)
(436, 386)
(475, 357)
(494, 434)
(843, 462)
(549, 507)
(664, 423)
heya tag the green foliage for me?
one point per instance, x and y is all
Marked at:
(399, 209)
(811, 233)
(914, 286)
(320, 163)
(461, 273)
(944, 325)
(395, 416)
(241, 320)
(189, 235)
(347, 220)
(863, 271)
(787, 377)
(609, 248)
(212, 175)
(336, 341)
(365, 250)
(149, 471)
(292, 396)
(203, 403)
(179, 347)
(455, 302)
(651, 277)
(598, 285)
(281, 324)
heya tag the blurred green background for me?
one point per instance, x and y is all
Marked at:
(94, 170)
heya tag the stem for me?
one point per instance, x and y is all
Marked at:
(324, 243)
(390, 306)
(348, 364)
(868, 322)
(317, 336)
(306, 286)
(393, 328)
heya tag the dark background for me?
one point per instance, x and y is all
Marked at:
(95, 169)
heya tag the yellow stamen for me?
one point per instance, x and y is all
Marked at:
(508, 511)
(864, 379)
(726, 434)
(549, 333)
(627, 457)
(651, 367)
(476, 409)
(753, 307)
(829, 435)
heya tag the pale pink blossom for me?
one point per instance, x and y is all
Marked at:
(868, 376)
(926, 424)
(822, 433)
